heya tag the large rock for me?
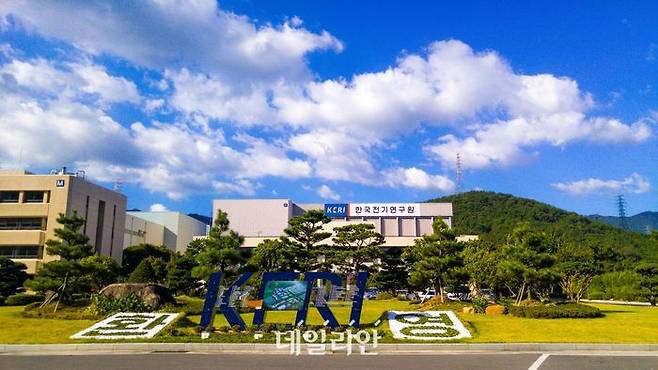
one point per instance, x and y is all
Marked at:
(495, 309)
(152, 294)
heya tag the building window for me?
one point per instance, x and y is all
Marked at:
(22, 251)
(33, 197)
(9, 196)
(99, 226)
(31, 223)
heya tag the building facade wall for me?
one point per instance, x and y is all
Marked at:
(260, 219)
(173, 230)
(66, 194)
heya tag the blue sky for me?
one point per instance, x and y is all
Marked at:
(335, 101)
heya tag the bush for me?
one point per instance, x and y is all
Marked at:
(22, 299)
(2, 300)
(480, 304)
(383, 296)
(567, 310)
(620, 285)
(102, 305)
(144, 273)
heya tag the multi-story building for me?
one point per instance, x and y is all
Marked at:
(30, 205)
(173, 230)
(400, 223)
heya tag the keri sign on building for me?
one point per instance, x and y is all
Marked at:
(400, 223)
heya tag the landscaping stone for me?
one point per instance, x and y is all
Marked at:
(468, 309)
(152, 294)
(495, 309)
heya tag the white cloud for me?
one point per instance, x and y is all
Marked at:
(244, 187)
(222, 69)
(70, 80)
(501, 112)
(635, 183)
(326, 192)
(158, 207)
(416, 178)
(165, 33)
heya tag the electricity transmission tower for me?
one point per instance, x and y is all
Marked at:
(621, 207)
(459, 174)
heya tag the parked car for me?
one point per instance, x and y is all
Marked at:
(426, 295)
(406, 294)
(371, 293)
(488, 294)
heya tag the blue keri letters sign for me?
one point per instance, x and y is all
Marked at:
(223, 298)
(336, 210)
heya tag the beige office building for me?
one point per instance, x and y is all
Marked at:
(400, 223)
(30, 205)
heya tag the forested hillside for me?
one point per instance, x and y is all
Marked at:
(644, 222)
(494, 215)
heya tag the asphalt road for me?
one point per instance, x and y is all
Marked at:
(457, 361)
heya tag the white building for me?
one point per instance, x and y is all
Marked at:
(174, 230)
(400, 223)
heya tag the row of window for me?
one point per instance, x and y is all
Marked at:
(22, 251)
(25, 223)
(28, 196)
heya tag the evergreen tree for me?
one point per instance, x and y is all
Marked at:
(133, 255)
(649, 281)
(305, 234)
(221, 250)
(144, 273)
(273, 255)
(12, 276)
(435, 259)
(69, 272)
(98, 272)
(179, 274)
(354, 246)
(527, 261)
(393, 273)
(71, 244)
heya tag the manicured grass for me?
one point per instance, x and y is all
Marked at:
(621, 324)
(15, 329)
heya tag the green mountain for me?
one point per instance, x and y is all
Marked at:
(640, 223)
(494, 215)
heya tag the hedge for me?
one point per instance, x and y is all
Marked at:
(567, 310)
(22, 299)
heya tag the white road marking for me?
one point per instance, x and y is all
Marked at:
(535, 365)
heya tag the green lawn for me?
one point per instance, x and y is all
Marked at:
(621, 324)
(15, 329)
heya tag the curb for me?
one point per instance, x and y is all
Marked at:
(268, 348)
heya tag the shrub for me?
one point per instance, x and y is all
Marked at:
(102, 305)
(2, 300)
(144, 273)
(383, 296)
(621, 285)
(22, 299)
(567, 310)
(480, 304)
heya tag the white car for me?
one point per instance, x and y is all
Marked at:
(426, 295)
